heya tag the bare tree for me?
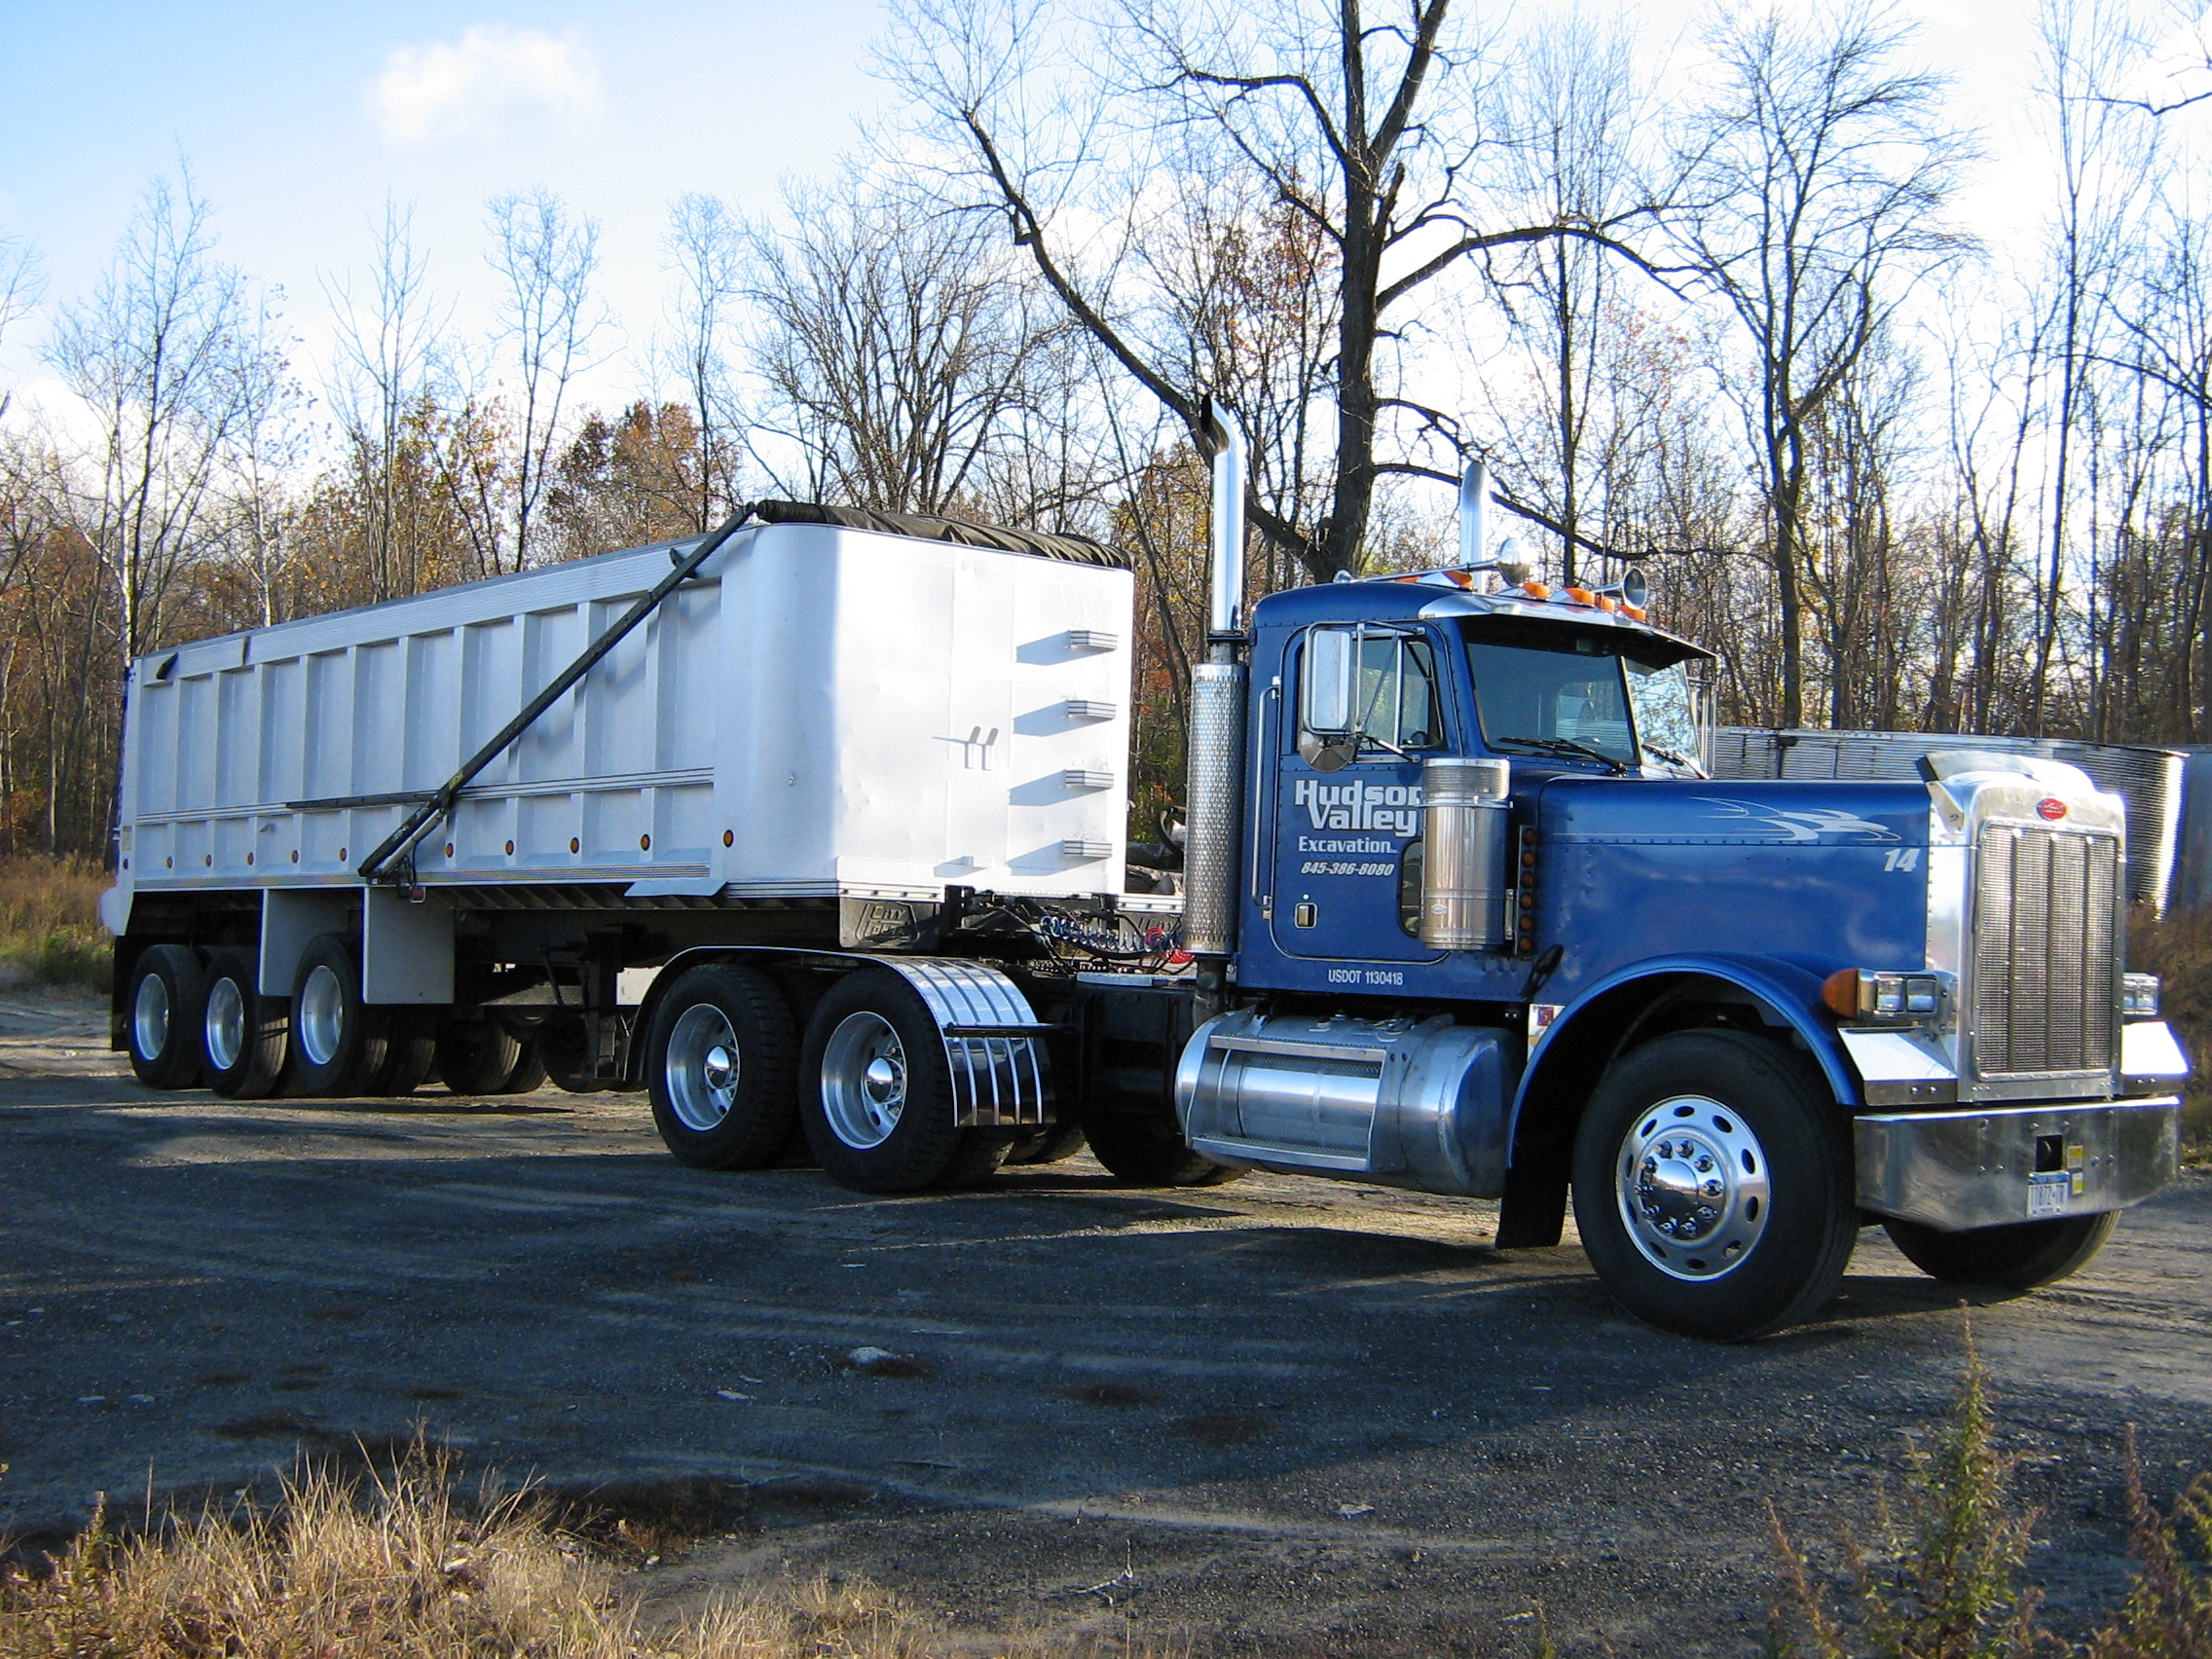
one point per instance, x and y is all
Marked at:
(891, 347)
(545, 259)
(20, 287)
(1576, 110)
(2099, 163)
(387, 353)
(264, 462)
(1355, 123)
(705, 246)
(2164, 322)
(153, 354)
(1818, 172)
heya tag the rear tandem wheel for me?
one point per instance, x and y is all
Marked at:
(721, 1060)
(875, 1094)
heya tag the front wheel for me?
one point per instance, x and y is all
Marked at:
(1713, 1185)
(2018, 1258)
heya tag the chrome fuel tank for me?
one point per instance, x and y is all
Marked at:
(1405, 1103)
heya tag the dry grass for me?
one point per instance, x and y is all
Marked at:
(400, 1562)
(50, 923)
(2179, 950)
(1946, 1578)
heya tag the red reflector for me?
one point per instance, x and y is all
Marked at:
(2051, 807)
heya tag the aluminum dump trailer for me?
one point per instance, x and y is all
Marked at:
(821, 715)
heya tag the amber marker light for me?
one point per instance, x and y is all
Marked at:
(1635, 611)
(1840, 991)
(1536, 590)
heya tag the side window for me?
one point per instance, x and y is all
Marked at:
(1378, 684)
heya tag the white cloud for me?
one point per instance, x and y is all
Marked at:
(450, 88)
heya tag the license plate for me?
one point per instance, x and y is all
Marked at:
(2048, 1192)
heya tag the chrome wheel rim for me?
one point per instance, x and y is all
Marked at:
(150, 1018)
(702, 1067)
(864, 1079)
(323, 1015)
(226, 1023)
(1692, 1184)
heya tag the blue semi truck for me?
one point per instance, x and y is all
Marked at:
(1460, 910)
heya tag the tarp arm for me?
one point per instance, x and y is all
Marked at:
(394, 849)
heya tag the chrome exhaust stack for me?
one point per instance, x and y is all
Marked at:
(1474, 514)
(1214, 781)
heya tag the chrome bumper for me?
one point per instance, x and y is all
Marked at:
(1953, 1171)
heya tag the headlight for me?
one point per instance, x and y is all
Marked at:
(2139, 996)
(1889, 998)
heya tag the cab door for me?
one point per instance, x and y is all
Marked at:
(1363, 708)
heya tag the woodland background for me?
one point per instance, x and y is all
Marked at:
(1718, 318)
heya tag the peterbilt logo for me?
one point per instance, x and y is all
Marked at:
(2051, 809)
(1810, 826)
(1392, 809)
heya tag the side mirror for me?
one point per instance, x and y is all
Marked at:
(1329, 689)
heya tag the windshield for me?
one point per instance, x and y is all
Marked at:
(1666, 714)
(1567, 692)
(1531, 698)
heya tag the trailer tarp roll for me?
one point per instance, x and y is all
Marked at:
(1073, 549)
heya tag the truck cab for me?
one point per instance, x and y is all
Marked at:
(1497, 932)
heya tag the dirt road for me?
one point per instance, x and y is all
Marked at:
(1276, 1417)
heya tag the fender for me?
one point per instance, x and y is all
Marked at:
(1561, 1071)
(994, 1044)
(1792, 992)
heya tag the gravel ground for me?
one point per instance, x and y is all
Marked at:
(1278, 1416)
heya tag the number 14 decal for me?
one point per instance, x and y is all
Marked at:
(1903, 857)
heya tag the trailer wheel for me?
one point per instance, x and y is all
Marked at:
(243, 1037)
(875, 1095)
(1056, 1145)
(410, 1054)
(481, 1056)
(338, 1040)
(1713, 1185)
(721, 1065)
(2017, 1258)
(562, 1049)
(167, 989)
(528, 1074)
(1147, 1150)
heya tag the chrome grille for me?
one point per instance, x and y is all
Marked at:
(2045, 975)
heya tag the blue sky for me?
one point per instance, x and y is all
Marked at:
(299, 119)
